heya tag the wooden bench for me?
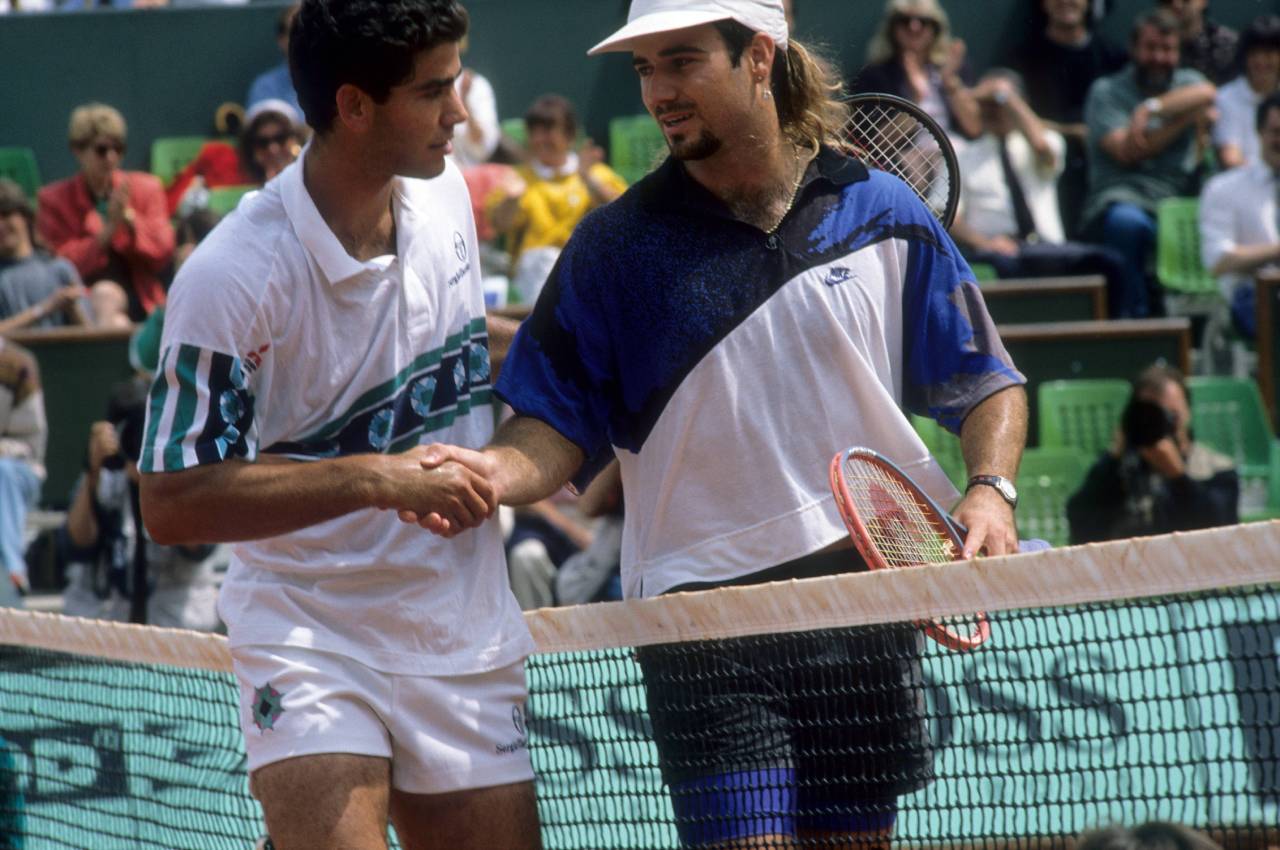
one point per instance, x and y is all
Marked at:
(1118, 348)
(1046, 299)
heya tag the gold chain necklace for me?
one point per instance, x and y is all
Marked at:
(801, 166)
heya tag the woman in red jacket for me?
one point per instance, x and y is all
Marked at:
(113, 225)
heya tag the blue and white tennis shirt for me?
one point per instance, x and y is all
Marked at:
(725, 366)
(277, 342)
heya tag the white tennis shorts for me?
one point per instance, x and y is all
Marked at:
(441, 733)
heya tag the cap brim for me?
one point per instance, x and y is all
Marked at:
(650, 24)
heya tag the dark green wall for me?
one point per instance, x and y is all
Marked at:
(169, 69)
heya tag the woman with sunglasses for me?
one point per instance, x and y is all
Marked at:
(112, 224)
(913, 55)
(271, 139)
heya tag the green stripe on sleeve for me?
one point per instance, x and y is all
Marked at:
(159, 392)
(188, 398)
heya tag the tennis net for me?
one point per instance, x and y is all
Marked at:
(1123, 682)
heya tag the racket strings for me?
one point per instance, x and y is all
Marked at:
(902, 530)
(894, 141)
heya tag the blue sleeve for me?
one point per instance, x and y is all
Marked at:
(953, 354)
(559, 367)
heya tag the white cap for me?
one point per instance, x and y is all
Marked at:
(272, 104)
(652, 16)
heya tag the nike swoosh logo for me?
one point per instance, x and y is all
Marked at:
(837, 275)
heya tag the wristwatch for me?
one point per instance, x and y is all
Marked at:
(1002, 485)
(1152, 105)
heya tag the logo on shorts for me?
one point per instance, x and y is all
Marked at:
(459, 246)
(267, 707)
(518, 721)
(517, 718)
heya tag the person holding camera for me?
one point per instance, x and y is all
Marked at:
(108, 577)
(1155, 479)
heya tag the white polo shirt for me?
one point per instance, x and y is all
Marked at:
(1237, 125)
(1238, 209)
(278, 342)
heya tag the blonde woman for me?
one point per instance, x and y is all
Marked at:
(913, 55)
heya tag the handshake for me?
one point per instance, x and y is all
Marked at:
(445, 489)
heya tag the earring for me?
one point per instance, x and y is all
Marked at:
(768, 95)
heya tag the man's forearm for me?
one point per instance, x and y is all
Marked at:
(532, 459)
(994, 433)
(235, 501)
(1246, 259)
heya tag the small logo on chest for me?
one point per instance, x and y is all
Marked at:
(459, 246)
(837, 275)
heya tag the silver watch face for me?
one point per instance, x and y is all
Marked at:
(1006, 488)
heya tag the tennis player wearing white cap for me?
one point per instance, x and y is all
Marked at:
(758, 301)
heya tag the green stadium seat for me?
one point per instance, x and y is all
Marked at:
(1178, 265)
(636, 146)
(223, 199)
(983, 272)
(514, 129)
(1227, 414)
(1081, 414)
(1046, 480)
(944, 446)
(171, 155)
(19, 165)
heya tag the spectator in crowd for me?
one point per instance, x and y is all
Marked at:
(36, 290)
(1204, 44)
(23, 435)
(1142, 148)
(1239, 233)
(1153, 835)
(1154, 479)
(1009, 203)
(1059, 62)
(271, 138)
(1235, 133)
(913, 55)
(111, 224)
(275, 83)
(542, 202)
(595, 573)
(7, 6)
(475, 139)
(101, 532)
(544, 536)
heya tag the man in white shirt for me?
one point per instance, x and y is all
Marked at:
(1235, 133)
(1238, 228)
(320, 334)
(1008, 215)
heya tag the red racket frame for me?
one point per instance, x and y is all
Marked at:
(853, 520)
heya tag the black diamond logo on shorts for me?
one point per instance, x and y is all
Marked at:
(517, 718)
(267, 707)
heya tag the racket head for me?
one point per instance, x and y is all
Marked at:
(893, 523)
(893, 134)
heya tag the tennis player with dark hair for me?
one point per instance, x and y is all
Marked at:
(323, 331)
(757, 303)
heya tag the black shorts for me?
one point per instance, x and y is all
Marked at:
(779, 734)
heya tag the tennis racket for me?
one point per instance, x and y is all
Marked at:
(893, 134)
(895, 524)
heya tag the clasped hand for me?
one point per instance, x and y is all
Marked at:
(445, 489)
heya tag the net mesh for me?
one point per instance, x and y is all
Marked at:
(892, 140)
(1122, 683)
